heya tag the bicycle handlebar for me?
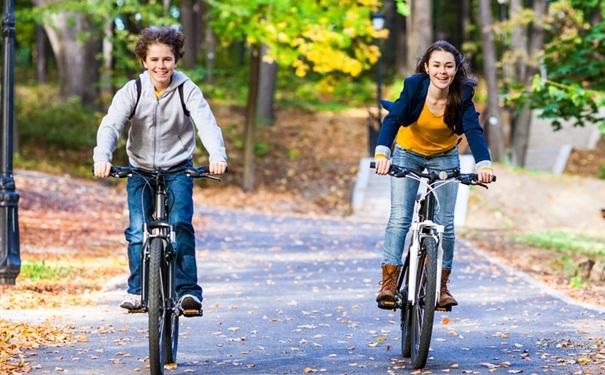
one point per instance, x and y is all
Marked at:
(195, 172)
(463, 178)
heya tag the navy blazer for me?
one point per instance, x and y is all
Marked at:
(406, 110)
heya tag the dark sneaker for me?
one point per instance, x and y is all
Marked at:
(131, 302)
(190, 302)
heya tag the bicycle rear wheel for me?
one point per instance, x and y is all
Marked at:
(157, 313)
(423, 312)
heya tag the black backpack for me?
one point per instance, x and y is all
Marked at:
(138, 83)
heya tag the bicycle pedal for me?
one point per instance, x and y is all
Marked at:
(387, 305)
(444, 308)
(192, 313)
(136, 311)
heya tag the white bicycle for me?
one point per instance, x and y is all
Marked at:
(418, 292)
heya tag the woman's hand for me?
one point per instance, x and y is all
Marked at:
(218, 167)
(485, 175)
(383, 165)
(102, 169)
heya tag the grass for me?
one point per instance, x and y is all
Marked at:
(566, 242)
(40, 270)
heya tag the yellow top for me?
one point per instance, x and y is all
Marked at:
(428, 136)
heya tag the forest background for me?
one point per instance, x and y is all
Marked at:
(264, 55)
(287, 80)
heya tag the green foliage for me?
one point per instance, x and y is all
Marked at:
(42, 120)
(41, 271)
(601, 175)
(326, 37)
(571, 85)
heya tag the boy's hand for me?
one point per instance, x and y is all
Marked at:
(218, 167)
(102, 169)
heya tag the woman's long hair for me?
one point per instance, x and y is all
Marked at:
(461, 79)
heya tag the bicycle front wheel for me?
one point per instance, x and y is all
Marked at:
(423, 311)
(158, 326)
(171, 319)
(406, 315)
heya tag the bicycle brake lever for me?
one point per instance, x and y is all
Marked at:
(213, 178)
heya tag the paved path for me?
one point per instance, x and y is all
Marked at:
(294, 295)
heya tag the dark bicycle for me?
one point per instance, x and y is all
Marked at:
(158, 292)
(418, 292)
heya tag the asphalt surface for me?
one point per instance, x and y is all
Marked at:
(295, 295)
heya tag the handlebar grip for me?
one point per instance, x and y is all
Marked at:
(494, 178)
(372, 164)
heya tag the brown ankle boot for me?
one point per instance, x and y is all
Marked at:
(390, 274)
(445, 298)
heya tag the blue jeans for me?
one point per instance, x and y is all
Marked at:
(403, 195)
(180, 214)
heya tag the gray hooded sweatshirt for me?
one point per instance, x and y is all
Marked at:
(160, 135)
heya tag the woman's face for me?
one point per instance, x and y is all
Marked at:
(441, 69)
(160, 63)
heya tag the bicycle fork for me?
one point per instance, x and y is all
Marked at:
(163, 231)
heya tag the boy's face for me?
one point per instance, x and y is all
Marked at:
(160, 63)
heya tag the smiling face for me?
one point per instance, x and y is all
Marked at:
(441, 69)
(160, 63)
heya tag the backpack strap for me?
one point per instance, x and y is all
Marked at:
(183, 100)
(138, 84)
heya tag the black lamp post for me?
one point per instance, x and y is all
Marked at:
(377, 19)
(10, 262)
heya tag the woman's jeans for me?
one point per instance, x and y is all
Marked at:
(403, 195)
(180, 214)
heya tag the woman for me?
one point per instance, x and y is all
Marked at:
(161, 135)
(426, 122)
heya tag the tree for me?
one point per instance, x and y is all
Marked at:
(571, 84)
(494, 121)
(191, 22)
(327, 38)
(521, 38)
(419, 21)
(266, 90)
(76, 56)
(79, 32)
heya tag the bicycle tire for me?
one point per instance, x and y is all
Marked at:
(406, 317)
(171, 329)
(157, 324)
(423, 312)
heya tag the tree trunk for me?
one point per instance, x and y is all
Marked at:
(77, 62)
(40, 54)
(492, 118)
(107, 87)
(251, 105)
(191, 20)
(526, 50)
(420, 23)
(208, 43)
(266, 92)
(401, 48)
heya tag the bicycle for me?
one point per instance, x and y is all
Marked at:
(418, 294)
(158, 293)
